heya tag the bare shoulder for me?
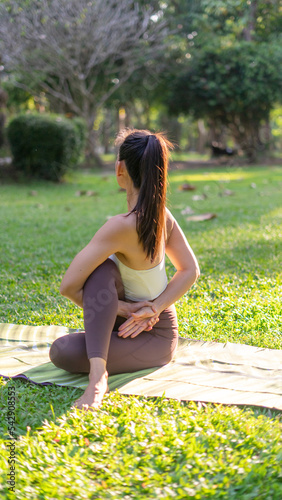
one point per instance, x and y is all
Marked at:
(116, 227)
(170, 220)
(121, 227)
(121, 221)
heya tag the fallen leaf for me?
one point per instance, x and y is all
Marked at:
(38, 205)
(187, 187)
(187, 210)
(199, 197)
(227, 192)
(91, 193)
(86, 440)
(201, 217)
(33, 193)
(253, 185)
(80, 193)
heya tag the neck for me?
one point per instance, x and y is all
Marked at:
(132, 197)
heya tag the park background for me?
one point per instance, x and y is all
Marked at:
(203, 72)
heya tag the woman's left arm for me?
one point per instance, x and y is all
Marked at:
(109, 239)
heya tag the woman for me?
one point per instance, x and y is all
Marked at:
(119, 278)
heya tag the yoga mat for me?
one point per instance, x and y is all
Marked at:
(201, 371)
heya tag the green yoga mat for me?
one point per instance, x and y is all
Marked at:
(201, 371)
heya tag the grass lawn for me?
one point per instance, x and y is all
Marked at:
(136, 447)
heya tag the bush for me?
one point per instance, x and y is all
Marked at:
(81, 129)
(46, 146)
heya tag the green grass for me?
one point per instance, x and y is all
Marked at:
(136, 447)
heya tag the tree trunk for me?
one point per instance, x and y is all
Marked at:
(106, 131)
(250, 28)
(92, 156)
(2, 123)
(3, 100)
(265, 133)
(202, 138)
(246, 134)
(216, 133)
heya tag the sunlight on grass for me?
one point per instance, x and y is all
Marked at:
(211, 176)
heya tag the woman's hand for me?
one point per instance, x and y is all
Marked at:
(125, 309)
(141, 320)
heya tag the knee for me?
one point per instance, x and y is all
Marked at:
(58, 351)
(105, 272)
(104, 282)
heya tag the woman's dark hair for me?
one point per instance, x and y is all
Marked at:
(146, 159)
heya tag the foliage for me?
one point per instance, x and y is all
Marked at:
(45, 146)
(16, 96)
(229, 20)
(80, 140)
(227, 53)
(236, 85)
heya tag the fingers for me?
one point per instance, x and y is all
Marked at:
(132, 330)
(135, 320)
(126, 324)
(143, 329)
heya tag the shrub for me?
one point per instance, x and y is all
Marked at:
(45, 146)
(81, 129)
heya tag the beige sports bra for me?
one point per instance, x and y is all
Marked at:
(142, 284)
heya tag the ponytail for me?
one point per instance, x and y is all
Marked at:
(146, 159)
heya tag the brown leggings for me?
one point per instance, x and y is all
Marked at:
(101, 293)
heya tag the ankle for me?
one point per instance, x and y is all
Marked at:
(97, 369)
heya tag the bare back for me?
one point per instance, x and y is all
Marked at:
(134, 256)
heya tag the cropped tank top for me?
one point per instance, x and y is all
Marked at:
(142, 284)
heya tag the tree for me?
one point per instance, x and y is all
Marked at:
(236, 86)
(78, 52)
(228, 68)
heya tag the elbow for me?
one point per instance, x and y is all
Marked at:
(194, 274)
(63, 289)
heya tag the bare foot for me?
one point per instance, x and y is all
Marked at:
(92, 398)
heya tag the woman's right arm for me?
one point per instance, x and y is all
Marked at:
(182, 257)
